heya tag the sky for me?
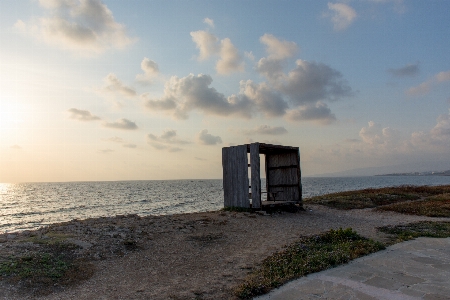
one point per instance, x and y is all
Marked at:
(96, 90)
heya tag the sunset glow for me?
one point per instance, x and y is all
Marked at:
(120, 90)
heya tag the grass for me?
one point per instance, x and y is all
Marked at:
(431, 201)
(308, 255)
(410, 231)
(434, 206)
(52, 264)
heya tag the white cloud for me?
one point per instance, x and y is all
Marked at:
(123, 124)
(20, 26)
(150, 68)
(209, 45)
(262, 98)
(206, 43)
(342, 15)
(194, 93)
(205, 138)
(266, 130)
(209, 22)
(230, 60)
(303, 90)
(426, 86)
(81, 26)
(114, 85)
(82, 115)
(278, 49)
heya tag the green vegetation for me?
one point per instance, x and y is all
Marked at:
(308, 255)
(418, 200)
(52, 264)
(414, 230)
(434, 206)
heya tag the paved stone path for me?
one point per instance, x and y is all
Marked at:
(417, 269)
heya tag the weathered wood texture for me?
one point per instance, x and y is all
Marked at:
(235, 176)
(255, 173)
(283, 178)
(283, 174)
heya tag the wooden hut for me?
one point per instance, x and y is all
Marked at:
(283, 175)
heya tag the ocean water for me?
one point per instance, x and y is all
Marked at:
(32, 205)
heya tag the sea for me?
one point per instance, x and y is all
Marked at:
(27, 206)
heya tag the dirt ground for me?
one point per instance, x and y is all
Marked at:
(187, 256)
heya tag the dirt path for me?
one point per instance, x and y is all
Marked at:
(189, 256)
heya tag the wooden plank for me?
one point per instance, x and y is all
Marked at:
(284, 167)
(242, 178)
(299, 176)
(256, 177)
(227, 177)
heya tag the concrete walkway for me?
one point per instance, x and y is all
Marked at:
(417, 269)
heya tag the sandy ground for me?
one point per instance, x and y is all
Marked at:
(188, 256)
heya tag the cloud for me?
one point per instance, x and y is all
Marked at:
(341, 14)
(209, 22)
(205, 138)
(132, 146)
(303, 90)
(230, 60)
(409, 70)
(122, 124)
(20, 26)
(278, 49)
(166, 140)
(441, 131)
(262, 98)
(209, 45)
(15, 147)
(311, 82)
(386, 139)
(114, 85)
(115, 139)
(168, 136)
(105, 151)
(82, 115)
(194, 93)
(86, 26)
(266, 130)
(206, 43)
(319, 113)
(426, 86)
(151, 70)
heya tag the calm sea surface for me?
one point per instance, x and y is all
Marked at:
(31, 205)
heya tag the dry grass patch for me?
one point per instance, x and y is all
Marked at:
(435, 206)
(385, 197)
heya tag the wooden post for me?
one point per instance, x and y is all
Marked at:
(256, 179)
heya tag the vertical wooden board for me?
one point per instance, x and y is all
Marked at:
(299, 176)
(267, 161)
(242, 184)
(256, 177)
(227, 180)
